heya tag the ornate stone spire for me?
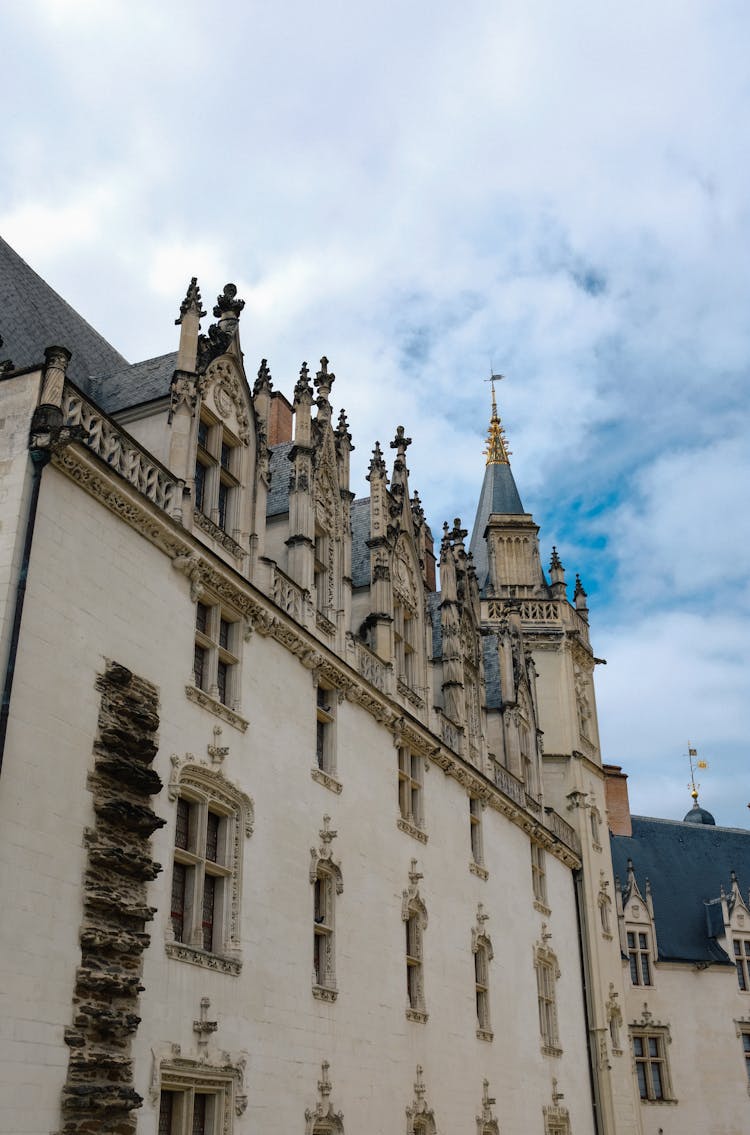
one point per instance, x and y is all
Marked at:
(263, 381)
(192, 302)
(324, 380)
(227, 304)
(496, 450)
(377, 464)
(303, 387)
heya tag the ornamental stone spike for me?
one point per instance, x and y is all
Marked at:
(192, 302)
(227, 305)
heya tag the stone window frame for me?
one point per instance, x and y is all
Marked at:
(327, 882)
(741, 948)
(640, 956)
(210, 792)
(411, 771)
(645, 1034)
(186, 1077)
(483, 953)
(547, 975)
(539, 877)
(218, 637)
(415, 918)
(476, 837)
(219, 454)
(325, 765)
(742, 1028)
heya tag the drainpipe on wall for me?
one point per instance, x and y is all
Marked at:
(46, 435)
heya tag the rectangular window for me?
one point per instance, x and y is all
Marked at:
(481, 988)
(404, 641)
(320, 570)
(216, 470)
(414, 963)
(215, 661)
(538, 874)
(651, 1065)
(475, 829)
(545, 977)
(200, 876)
(742, 960)
(639, 955)
(410, 786)
(325, 725)
(746, 1052)
(323, 945)
(191, 1112)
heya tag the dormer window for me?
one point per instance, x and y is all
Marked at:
(216, 473)
(639, 955)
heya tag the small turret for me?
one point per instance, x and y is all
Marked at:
(579, 597)
(557, 575)
(303, 399)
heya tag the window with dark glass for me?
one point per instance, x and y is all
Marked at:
(216, 473)
(215, 658)
(639, 956)
(200, 875)
(742, 961)
(651, 1065)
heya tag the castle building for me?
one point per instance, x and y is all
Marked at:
(303, 821)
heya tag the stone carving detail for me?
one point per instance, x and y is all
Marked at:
(324, 1116)
(208, 1072)
(372, 669)
(420, 1117)
(289, 596)
(486, 1122)
(556, 1117)
(223, 382)
(322, 857)
(109, 442)
(200, 520)
(98, 1094)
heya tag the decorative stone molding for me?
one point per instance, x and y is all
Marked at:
(221, 1074)
(486, 1122)
(478, 870)
(205, 701)
(323, 1117)
(327, 780)
(200, 520)
(556, 1117)
(98, 1093)
(420, 1118)
(182, 952)
(224, 383)
(411, 829)
(321, 858)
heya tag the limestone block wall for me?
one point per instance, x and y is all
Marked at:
(98, 590)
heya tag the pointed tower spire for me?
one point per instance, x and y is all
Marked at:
(496, 450)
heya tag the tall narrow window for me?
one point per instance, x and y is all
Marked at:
(410, 786)
(414, 962)
(538, 874)
(324, 892)
(745, 1036)
(742, 961)
(325, 743)
(216, 473)
(651, 1068)
(481, 990)
(547, 972)
(215, 665)
(639, 955)
(475, 830)
(321, 570)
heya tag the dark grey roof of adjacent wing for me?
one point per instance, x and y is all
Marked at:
(33, 316)
(686, 864)
(492, 671)
(280, 468)
(360, 514)
(433, 610)
(136, 384)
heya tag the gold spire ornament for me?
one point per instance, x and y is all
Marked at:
(496, 450)
(693, 756)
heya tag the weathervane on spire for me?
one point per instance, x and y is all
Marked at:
(693, 756)
(496, 450)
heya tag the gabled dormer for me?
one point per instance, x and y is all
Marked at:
(637, 927)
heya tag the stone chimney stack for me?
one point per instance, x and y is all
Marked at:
(618, 805)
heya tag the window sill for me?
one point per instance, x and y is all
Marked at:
(216, 533)
(324, 624)
(660, 1103)
(181, 952)
(327, 780)
(485, 1034)
(478, 870)
(551, 1050)
(201, 698)
(417, 1015)
(324, 993)
(411, 829)
(542, 908)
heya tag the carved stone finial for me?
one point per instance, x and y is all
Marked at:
(227, 303)
(377, 464)
(217, 752)
(556, 1095)
(325, 1087)
(414, 875)
(400, 442)
(342, 430)
(327, 833)
(203, 1027)
(303, 387)
(555, 561)
(579, 591)
(419, 1085)
(324, 378)
(192, 301)
(263, 381)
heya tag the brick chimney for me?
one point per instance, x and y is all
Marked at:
(280, 419)
(618, 805)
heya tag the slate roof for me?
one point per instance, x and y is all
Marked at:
(136, 384)
(490, 644)
(433, 610)
(33, 316)
(499, 495)
(360, 514)
(280, 468)
(686, 864)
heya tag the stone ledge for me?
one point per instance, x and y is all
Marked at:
(201, 698)
(411, 829)
(417, 1015)
(324, 993)
(181, 952)
(327, 780)
(478, 870)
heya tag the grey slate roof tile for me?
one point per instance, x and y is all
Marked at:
(33, 316)
(280, 468)
(360, 514)
(686, 865)
(136, 384)
(499, 495)
(492, 671)
(433, 610)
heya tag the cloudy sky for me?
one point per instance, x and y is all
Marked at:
(422, 191)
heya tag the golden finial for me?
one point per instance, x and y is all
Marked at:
(693, 756)
(496, 450)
